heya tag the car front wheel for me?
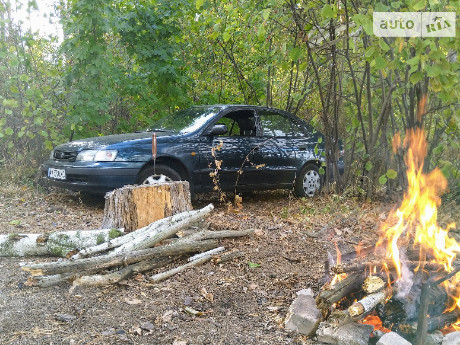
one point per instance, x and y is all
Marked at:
(153, 175)
(309, 181)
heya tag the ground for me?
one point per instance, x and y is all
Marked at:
(243, 301)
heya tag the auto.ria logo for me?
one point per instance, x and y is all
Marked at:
(414, 24)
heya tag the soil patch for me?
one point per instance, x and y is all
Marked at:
(243, 301)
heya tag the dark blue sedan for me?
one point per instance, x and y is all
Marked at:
(231, 147)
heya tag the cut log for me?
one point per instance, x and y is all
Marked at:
(367, 304)
(144, 232)
(133, 207)
(373, 284)
(106, 261)
(58, 243)
(332, 294)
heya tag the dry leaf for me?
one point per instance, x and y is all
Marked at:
(133, 301)
(179, 342)
(259, 232)
(207, 295)
(192, 311)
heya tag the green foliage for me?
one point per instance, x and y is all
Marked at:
(124, 64)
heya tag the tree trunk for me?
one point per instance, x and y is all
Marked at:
(59, 243)
(133, 207)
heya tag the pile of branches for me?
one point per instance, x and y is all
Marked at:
(148, 248)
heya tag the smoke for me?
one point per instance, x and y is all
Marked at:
(407, 293)
(404, 284)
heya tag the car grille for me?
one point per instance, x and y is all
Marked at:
(65, 156)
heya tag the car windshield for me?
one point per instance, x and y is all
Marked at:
(186, 121)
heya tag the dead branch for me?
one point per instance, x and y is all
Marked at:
(165, 275)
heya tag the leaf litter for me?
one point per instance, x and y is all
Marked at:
(241, 301)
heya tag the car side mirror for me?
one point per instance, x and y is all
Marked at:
(218, 129)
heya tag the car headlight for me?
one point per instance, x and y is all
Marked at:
(97, 155)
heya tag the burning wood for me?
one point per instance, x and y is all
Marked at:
(373, 284)
(332, 294)
(367, 304)
(379, 266)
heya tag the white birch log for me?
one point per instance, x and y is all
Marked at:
(156, 235)
(142, 233)
(366, 304)
(209, 252)
(58, 243)
(165, 275)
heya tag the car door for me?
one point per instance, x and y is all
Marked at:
(226, 161)
(285, 147)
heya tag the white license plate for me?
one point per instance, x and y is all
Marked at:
(58, 174)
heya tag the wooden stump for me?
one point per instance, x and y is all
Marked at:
(133, 207)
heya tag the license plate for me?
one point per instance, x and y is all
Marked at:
(58, 174)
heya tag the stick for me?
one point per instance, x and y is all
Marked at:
(339, 269)
(219, 259)
(209, 252)
(208, 234)
(165, 275)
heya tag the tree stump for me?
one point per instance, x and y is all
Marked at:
(133, 207)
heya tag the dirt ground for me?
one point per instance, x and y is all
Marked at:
(243, 301)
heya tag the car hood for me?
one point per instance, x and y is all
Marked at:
(103, 141)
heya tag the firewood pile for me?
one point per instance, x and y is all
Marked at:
(151, 247)
(367, 289)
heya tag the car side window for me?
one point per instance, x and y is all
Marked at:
(232, 125)
(277, 125)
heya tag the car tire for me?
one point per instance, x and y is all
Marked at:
(309, 181)
(160, 173)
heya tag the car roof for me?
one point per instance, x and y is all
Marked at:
(224, 106)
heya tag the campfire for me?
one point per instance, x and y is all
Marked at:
(408, 282)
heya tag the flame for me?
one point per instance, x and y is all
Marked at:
(341, 276)
(375, 321)
(414, 223)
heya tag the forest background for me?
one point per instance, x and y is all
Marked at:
(121, 65)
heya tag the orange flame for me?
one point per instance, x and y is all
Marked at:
(342, 276)
(415, 221)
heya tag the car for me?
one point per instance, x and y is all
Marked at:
(226, 147)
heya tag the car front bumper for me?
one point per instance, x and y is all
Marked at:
(92, 177)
